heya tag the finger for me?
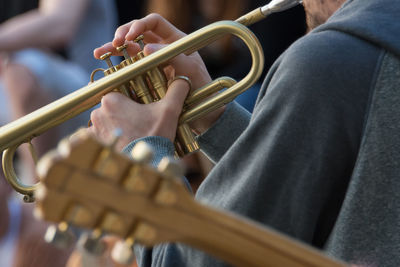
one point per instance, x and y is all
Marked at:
(169, 72)
(150, 37)
(112, 102)
(115, 102)
(151, 48)
(156, 24)
(94, 118)
(168, 69)
(120, 33)
(181, 63)
(176, 94)
(132, 49)
(108, 47)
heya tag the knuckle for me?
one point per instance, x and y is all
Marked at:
(154, 16)
(181, 84)
(94, 115)
(109, 101)
(120, 29)
(129, 25)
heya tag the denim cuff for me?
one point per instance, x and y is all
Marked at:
(162, 147)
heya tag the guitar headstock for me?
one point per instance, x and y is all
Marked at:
(87, 184)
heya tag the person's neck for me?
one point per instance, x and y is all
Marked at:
(4, 218)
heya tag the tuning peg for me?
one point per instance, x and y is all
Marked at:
(171, 167)
(123, 253)
(142, 153)
(29, 198)
(60, 235)
(92, 243)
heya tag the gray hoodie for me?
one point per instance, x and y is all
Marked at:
(317, 160)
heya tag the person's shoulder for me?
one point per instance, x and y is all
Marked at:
(327, 50)
(31, 243)
(331, 59)
(323, 66)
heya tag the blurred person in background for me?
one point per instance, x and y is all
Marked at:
(21, 236)
(46, 53)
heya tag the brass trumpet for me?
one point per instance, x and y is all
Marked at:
(197, 104)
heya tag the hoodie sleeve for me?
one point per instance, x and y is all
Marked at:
(220, 137)
(290, 166)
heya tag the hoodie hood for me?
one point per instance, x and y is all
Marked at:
(376, 21)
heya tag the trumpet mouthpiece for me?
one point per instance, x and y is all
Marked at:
(279, 5)
(264, 11)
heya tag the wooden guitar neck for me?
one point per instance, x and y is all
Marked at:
(87, 184)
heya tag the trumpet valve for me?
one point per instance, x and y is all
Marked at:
(139, 40)
(111, 68)
(128, 59)
(122, 49)
(106, 58)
